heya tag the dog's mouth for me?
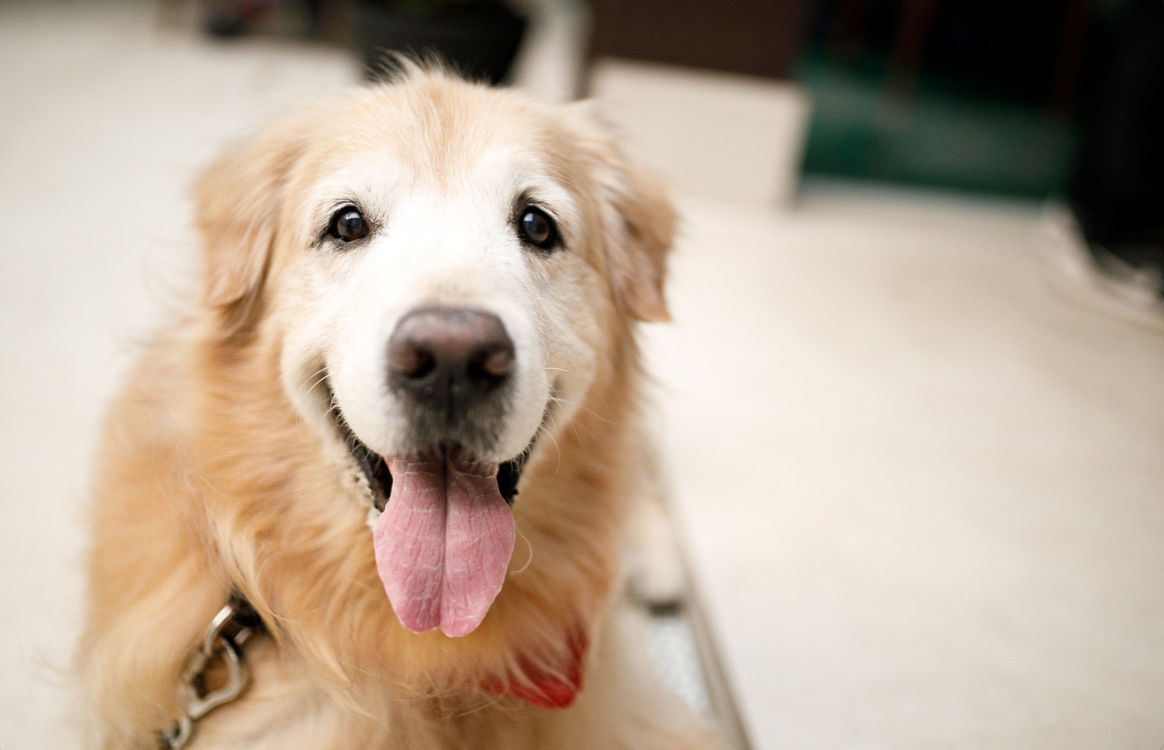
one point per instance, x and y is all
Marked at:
(445, 535)
(375, 467)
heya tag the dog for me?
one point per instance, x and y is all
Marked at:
(399, 430)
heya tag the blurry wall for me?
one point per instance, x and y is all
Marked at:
(754, 37)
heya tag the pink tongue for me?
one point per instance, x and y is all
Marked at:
(443, 544)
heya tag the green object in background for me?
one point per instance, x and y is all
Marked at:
(939, 137)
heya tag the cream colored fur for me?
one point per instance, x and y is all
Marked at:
(220, 469)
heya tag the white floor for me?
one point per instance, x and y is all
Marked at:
(920, 474)
(919, 470)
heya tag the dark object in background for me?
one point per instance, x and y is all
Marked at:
(479, 39)
(754, 37)
(1117, 191)
(231, 18)
(993, 49)
(964, 94)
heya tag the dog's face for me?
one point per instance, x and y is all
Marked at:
(445, 289)
(445, 268)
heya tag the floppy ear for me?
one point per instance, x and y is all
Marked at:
(641, 230)
(639, 257)
(239, 201)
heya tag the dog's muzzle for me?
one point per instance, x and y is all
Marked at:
(445, 535)
(451, 371)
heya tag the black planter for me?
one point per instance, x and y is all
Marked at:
(478, 39)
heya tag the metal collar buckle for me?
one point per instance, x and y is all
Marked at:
(227, 632)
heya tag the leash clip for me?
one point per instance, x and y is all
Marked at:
(223, 641)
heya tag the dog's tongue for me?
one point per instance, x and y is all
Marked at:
(443, 543)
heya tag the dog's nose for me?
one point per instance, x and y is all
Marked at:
(449, 357)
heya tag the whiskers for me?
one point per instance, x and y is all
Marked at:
(529, 546)
(579, 404)
(557, 448)
(320, 377)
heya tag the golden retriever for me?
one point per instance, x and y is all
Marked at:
(400, 422)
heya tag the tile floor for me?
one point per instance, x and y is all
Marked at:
(918, 468)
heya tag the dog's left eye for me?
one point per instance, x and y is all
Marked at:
(537, 228)
(348, 224)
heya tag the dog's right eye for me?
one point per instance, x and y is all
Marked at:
(537, 228)
(348, 224)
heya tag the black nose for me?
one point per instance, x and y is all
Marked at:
(449, 358)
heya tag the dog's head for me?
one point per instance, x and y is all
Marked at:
(444, 268)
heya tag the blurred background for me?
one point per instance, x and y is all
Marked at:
(912, 403)
(1038, 98)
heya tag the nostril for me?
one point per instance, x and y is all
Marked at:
(411, 361)
(496, 363)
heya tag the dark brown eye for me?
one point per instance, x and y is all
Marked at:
(348, 224)
(537, 228)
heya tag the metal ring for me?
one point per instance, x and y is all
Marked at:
(197, 706)
(215, 643)
(225, 615)
(178, 736)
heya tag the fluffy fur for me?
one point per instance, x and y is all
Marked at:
(220, 469)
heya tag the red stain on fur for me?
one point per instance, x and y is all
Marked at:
(544, 689)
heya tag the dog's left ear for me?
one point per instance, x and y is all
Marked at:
(639, 262)
(238, 210)
(641, 228)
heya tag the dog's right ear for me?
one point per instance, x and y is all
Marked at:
(239, 205)
(641, 232)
